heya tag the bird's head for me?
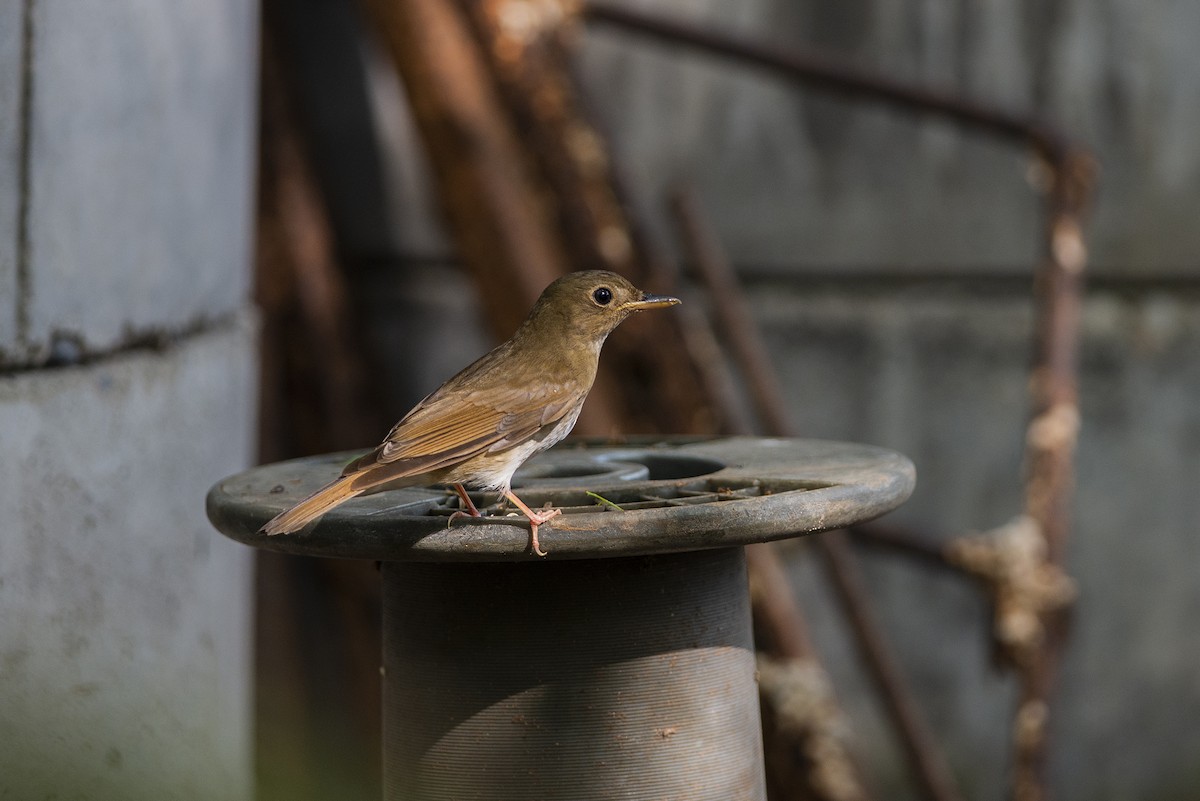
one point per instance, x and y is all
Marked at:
(589, 304)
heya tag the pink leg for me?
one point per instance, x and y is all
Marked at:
(466, 499)
(535, 520)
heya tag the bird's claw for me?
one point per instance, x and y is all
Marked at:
(533, 542)
(536, 520)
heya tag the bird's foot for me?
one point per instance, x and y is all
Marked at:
(470, 511)
(535, 520)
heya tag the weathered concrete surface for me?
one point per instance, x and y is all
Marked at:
(126, 180)
(141, 147)
(938, 373)
(125, 646)
(796, 176)
(11, 71)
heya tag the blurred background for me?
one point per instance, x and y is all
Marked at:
(234, 232)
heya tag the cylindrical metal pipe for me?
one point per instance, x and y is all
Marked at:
(624, 678)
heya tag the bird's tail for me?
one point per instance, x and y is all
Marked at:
(314, 506)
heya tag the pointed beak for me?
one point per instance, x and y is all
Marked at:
(652, 302)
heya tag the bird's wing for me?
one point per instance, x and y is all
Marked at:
(448, 428)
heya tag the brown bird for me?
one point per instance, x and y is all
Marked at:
(476, 429)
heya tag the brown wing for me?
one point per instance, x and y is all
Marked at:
(453, 425)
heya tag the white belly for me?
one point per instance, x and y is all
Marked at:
(494, 471)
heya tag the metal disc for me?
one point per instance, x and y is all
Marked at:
(647, 497)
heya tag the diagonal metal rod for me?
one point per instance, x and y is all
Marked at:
(784, 621)
(931, 767)
(909, 543)
(732, 313)
(778, 618)
(831, 74)
(733, 316)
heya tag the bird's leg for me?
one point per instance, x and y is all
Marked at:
(535, 520)
(470, 511)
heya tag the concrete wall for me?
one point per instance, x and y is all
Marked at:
(801, 178)
(127, 383)
(938, 371)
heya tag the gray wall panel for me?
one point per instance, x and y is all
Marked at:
(126, 642)
(142, 141)
(940, 374)
(11, 71)
(796, 178)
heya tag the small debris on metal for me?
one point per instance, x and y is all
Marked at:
(602, 501)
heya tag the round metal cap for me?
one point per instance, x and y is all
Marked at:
(617, 500)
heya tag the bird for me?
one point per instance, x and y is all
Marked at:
(518, 400)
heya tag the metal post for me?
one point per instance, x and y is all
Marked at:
(621, 666)
(616, 678)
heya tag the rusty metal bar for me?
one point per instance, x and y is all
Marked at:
(734, 317)
(1050, 445)
(904, 541)
(831, 74)
(810, 759)
(524, 60)
(528, 59)
(1058, 288)
(732, 313)
(704, 351)
(308, 335)
(931, 767)
(775, 607)
(492, 203)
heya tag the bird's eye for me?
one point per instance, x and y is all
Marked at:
(603, 296)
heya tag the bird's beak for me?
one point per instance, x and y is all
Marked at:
(652, 302)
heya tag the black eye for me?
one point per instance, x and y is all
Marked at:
(603, 296)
